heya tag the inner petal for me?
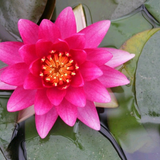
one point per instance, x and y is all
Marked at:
(58, 69)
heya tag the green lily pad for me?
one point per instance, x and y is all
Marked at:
(12, 11)
(148, 80)
(7, 121)
(102, 9)
(124, 28)
(124, 121)
(64, 142)
(153, 8)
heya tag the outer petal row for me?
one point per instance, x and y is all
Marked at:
(112, 78)
(95, 33)
(28, 31)
(45, 122)
(15, 74)
(8, 50)
(66, 23)
(119, 57)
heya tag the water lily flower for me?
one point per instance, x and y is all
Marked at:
(59, 71)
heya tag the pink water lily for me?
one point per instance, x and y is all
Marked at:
(59, 71)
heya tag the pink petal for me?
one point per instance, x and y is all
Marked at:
(95, 33)
(15, 74)
(20, 99)
(4, 86)
(45, 122)
(66, 23)
(43, 47)
(76, 96)
(48, 31)
(96, 92)
(28, 31)
(67, 112)
(42, 105)
(112, 77)
(28, 53)
(32, 82)
(76, 41)
(88, 115)
(9, 52)
(78, 55)
(35, 67)
(61, 46)
(98, 56)
(90, 71)
(77, 80)
(119, 57)
(55, 95)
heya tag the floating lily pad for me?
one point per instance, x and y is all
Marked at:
(153, 8)
(124, 121)
(102, 9)
(12, 11)
(64, 142)
(7, 122)
(148, 80)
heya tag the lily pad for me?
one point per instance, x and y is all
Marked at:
(102, 9)
(153, 8)
(12, 11)
(64, 142)
(148, 80)
(7, 122)
(124, 121)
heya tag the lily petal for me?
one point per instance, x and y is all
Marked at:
(61, 46)
(9, 52)
(90, 71)
(76, 96)
(96, 92)
(5, 86)
(28, 53)
(32, 82)
(119, 57)
(15, 74)
(66, 23)
(67, 112)
(48, 31)
(95, 33)
(98, 56)
(35, 67)
(55, 95)
(76, 41)
(77, 80)
(42, 105)
(20, 99)
(45, 122)
(78, 55)
(28, 31)
(112, 77)
(43, 47)
(88, 115)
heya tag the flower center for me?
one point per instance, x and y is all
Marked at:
(58, 69)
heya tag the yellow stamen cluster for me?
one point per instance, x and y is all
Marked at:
(57, 69)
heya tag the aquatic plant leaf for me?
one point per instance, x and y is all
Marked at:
(12, 11)
(7, 122)
(64, 142)
(148, 80)
(124, 121)
(153, 8)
